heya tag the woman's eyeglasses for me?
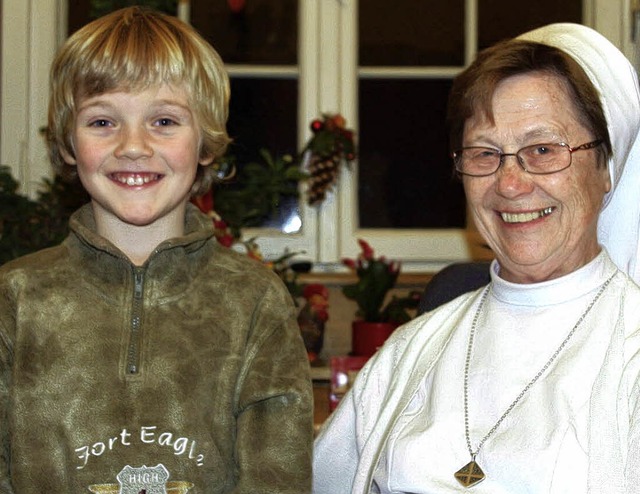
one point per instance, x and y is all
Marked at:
(538, 159)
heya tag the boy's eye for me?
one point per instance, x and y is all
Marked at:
(100, 123)
(165, 122)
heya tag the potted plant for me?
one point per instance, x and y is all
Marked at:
(377, 315)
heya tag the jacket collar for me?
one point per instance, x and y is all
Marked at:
(168, 271)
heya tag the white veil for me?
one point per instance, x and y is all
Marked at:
(616, 80)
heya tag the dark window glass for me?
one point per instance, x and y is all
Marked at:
(247, 32)
(263, 115)
(83, 11)
(410, 32)
(501, 19)
(251, 31)
(405, 175)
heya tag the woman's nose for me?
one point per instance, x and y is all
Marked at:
(134, 143)
(511, 177)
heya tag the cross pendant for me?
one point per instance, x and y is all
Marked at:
(470, 474)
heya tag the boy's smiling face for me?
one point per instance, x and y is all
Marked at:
(137, 154)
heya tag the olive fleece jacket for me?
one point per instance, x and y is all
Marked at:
(187, 374)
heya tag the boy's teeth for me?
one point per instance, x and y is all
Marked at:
(136, 180)
(524, 217)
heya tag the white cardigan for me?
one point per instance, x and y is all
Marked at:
(349, 447)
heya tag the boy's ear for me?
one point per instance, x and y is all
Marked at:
(68, 157)
(205, 159)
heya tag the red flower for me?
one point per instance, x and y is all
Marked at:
(394, 267)
(321, 315)
(236, 6)
(204, 202)
(219, 224)
(339, 121)
(317, 126)
(367, 251)
(350, 263)
(315, 289)
(226, 240)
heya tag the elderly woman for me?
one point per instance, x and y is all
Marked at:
(529, 384)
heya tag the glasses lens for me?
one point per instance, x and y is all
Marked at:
(545, 158)
(477, 161)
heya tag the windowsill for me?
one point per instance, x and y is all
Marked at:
(404, 279)
(320, 373)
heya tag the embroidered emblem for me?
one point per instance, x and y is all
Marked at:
(143, 480)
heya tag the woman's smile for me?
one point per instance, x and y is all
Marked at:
(526, 217)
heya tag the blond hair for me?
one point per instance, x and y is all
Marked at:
(132, 49)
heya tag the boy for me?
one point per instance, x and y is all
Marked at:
(139, 355)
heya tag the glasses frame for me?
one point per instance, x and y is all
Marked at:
(581, 147)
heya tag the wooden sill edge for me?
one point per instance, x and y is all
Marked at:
(404, 279)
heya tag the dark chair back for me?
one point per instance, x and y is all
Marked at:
(452, 281)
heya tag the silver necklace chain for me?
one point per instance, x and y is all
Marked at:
(528, 386)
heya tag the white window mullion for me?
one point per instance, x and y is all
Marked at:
(470, 30)
(328, 102)
(347, 220)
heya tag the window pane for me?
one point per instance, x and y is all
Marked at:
(404, 171)
(410, 32)
(500, 19)
(83, 11)
(263, 115)
(249, 32)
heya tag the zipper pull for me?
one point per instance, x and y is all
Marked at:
(138, 278)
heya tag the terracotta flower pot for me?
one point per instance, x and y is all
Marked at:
(367, 337)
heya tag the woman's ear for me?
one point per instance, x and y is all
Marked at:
(607, 180)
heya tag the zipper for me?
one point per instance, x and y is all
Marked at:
(133, 352)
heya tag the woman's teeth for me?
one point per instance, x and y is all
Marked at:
(525, 217)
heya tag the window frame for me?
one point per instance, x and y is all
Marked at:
(329, 83)
(328, 80)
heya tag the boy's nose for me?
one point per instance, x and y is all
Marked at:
(134, 144)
